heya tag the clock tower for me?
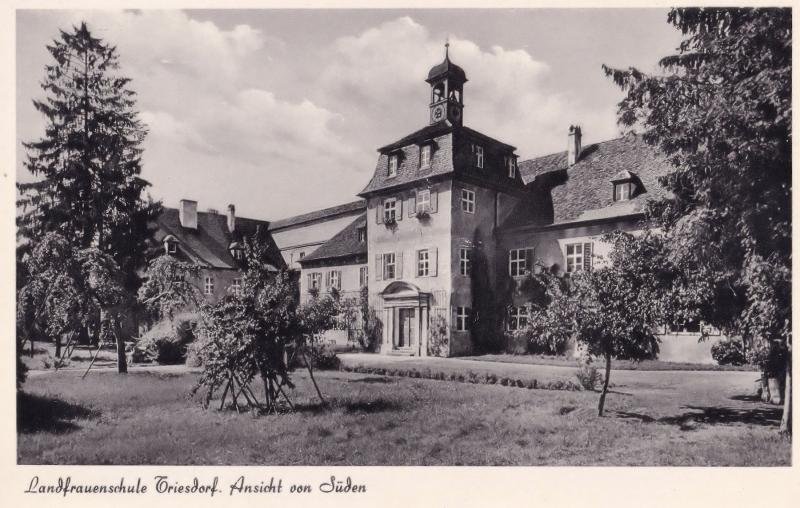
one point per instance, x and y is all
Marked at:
(447, 87)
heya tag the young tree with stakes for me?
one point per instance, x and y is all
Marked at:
(89, 160)
(721, 112)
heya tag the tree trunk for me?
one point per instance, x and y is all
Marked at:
(605, 386)
(58, 349)
(786, 419)
(122, 361)
(311, 373)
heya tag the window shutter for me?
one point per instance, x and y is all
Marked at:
(378, 267)
(412, 204)
(327, 280)
(399, 205)
(338, 279)
(434, 201)
(308, 276)
(587, 256)
(379, 214)
(433, 261)
(398, 265)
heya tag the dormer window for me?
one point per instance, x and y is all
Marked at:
(478, 150)
(392, 165)
(170, 245)
(623, 191)
(362, 234)
(425, 156)
(511, 166)
(236, 250)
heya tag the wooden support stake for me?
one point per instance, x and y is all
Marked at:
(99, 345)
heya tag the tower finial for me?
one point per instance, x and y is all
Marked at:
(447, 47)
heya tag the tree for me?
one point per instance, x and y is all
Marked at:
(721, 114)
(89, 161)
(613, 310)
(67, 290)
(169, 285)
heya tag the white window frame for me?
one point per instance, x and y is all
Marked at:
(334, 280)
(316, 280)
(237, 286)
(511, 165)
(425, 156)
(172, 247)
(479, 156)
(362, 234)
(389, 260)
(464, 264)
(423, 200)
(518, 262)
(387, 209)
(208, 288)
(623, 191)
(393, 164)
(423, 263)
(363, 276)
(575, 257)
(462, 319)
(518, 318)
(467, 201)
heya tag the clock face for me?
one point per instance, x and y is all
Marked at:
(438, 112)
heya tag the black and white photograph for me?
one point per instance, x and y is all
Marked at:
(401, 237)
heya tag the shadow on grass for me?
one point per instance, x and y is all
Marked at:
(348, 406)
(714, 415)
(371, 380)
(47, 414)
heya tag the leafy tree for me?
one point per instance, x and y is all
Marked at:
(169, 285)
(613, 310)
(88, 162)
(721, 113)
(68, 290)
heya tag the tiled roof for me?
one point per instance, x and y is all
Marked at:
(585, 190)
(208, 244)
(444, 135)
(318, 214)
(343, 244)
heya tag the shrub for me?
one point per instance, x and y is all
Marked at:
(728, 352)
(517, 343)
(587, 374)
(166, 342)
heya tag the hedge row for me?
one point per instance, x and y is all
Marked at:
(468, 377)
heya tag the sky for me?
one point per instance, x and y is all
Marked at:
(281, 111)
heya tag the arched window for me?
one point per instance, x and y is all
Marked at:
(438, 92)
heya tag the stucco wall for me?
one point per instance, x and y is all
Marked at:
(350, 279)
(309, 236)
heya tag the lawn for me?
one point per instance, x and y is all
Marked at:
(147, 418)
(563, 361)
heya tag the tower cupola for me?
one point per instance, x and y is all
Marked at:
(447, 91)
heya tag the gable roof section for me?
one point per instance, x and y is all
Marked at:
(584, 191)
(344, 244)
(316, 215)
(208, 244)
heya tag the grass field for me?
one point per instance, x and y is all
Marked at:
(146, 418)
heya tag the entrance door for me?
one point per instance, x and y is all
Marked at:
(408, 328)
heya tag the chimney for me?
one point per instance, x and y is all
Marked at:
(573, 144)
(188, 213)
(231, 218)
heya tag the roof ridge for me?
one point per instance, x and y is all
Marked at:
(582, 148)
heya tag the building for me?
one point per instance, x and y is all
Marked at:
(451, 221)
(212, 241)
(299, 236)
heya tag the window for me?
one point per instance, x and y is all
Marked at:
(302, 254)
(511, 165)
(468, 201)
(238, 254)
(363, 274)
(519, 261)
(314, 280)
(209, 285)
(390, 211)
(518, 318)
(362, 234)
(462, 319)
(424, 201)
(425, 156)
(574, 257)
(172, 247)
(389, 266)
(464, 266)
(478, 149)
(392, 166)
(623, 191)
(423, 259)
(333, 280)
(237, 287)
